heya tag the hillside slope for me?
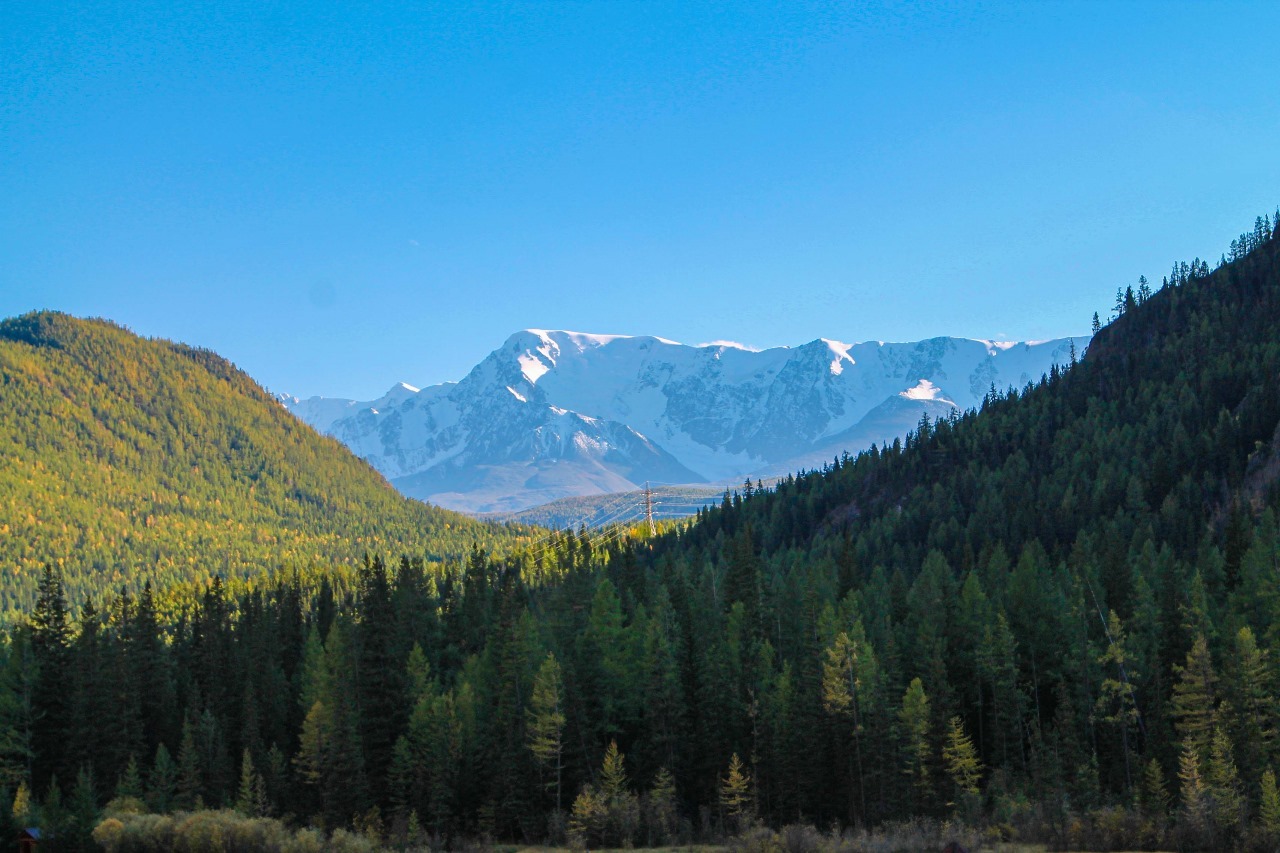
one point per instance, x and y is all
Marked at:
(123, 458)
(1166, 428)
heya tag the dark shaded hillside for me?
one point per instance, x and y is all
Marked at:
(1157, 434)
(125, 459)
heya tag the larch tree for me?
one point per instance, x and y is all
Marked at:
(1194, 699)
(1225, 790)
(1154, 795)
(1116, 693)
(1192, 791)
(848, 667)
(961, 760)
(546, 722)
(735, 792)
(1269, 803)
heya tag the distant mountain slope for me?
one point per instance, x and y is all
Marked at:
(670, 503)
(554, 414)
(124, 458)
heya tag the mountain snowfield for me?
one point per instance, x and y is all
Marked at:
(553, 414)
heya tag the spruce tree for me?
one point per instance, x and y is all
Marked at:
(247, 793)
(50, 708)
(83, 809)
(129, 787)
(162, 781)
(1116, 693)
(914, 719)
(190, 788)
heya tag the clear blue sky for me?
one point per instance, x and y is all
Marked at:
(340, 197)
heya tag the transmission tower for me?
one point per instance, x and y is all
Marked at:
(648, 508)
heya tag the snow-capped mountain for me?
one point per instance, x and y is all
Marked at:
(552, 414)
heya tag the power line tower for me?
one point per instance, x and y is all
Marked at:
(648, 508)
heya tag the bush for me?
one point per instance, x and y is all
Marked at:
(802, 838)
(916, 834)
(218, 832)
(108, 834)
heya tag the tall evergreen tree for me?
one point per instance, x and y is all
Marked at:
(546, 723)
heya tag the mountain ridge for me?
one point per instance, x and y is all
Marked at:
(555, 413)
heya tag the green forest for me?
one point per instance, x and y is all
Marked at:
(1054, 619)
(124, 460)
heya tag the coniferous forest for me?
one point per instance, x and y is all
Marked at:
(1053, 619)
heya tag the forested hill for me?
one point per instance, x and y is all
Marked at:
(124, 459)
(1165, 432)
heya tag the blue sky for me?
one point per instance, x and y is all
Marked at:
(337, 198)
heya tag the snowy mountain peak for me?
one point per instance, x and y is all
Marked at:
(554, 413)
